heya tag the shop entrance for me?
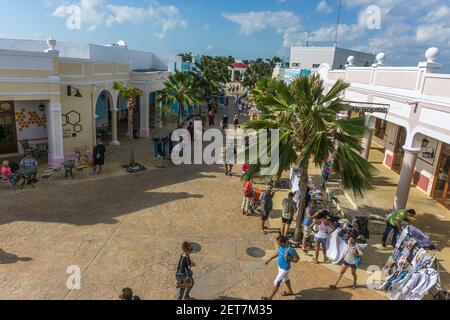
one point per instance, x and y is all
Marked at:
(441, 191)
(399, 152)
(8, 137)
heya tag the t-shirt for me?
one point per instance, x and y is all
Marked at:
(28, 162)
(99, 151)
(350, 255)
(289, 208)
(284, 263)
(225, 120)
(307, 221)
(6, 172)
(396, 217)
(266, 199)
(184, 266)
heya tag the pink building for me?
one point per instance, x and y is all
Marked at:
(411, 121)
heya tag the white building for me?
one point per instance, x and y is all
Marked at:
(310, 58)
(61, 94)
(412, 124)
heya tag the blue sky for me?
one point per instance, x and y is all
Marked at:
(244, 28)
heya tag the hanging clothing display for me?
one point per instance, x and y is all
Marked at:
(409, 272)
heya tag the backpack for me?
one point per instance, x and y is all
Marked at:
(248, 189)
(289, 206)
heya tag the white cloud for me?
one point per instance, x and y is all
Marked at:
(99, 13)
(324, 7)
(256, 21)
(210, 47)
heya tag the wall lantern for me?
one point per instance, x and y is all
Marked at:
(42, 107)
(71, 90)
(425, 142)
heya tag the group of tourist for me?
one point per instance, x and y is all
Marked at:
(10, 171)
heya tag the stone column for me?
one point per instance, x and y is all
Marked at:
(55, 134)
(232, 75)
(367, 139)
(406, 175)
(145, 116)
(114, 140)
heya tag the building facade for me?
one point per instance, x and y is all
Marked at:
(61, 94)
(411, 120)
(311, 58)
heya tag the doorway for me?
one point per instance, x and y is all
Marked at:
(399, 152)
(8, 137)
(441, 190)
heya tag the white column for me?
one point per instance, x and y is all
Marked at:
(406, 175)
(55, 134)
(145, 116)
(114, 141)
(367, 138)
(232, 75)
(159, 107)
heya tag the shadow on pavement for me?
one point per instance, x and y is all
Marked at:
(120, 195)
(10, 258)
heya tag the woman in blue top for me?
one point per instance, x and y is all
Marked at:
(308, 218)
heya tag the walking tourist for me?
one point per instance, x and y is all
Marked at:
(211, 118)
(248, 193)
(287, 215)
(99, 157)
(322, 229)
(236, 122)
(393, 222)
(308, 218)
(190, 129)
(285, 256)
(184, 274)
(326, 171)
(229, 163)
(224, 122)
(352, 259)
(127, 294)
(7, 174)
(267, 207)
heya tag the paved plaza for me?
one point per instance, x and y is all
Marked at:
(126, 230)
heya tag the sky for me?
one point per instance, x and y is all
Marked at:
(245, 29)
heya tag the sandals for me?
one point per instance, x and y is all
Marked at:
(287, 294)
(332, 286)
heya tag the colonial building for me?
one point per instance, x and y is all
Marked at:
(61, 94)
(408, 110)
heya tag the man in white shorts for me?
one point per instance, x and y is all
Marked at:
(285, 256)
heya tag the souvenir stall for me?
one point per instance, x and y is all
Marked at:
(410, 270)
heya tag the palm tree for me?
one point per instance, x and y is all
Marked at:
(206, 86)
(130, 94)
(310, 131)
(180, 88)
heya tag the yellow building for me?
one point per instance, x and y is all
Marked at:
(59, 95)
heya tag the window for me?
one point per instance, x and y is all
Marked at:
(316, 65)
(296, 64)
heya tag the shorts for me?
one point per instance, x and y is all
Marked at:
(286, 221)
(321, 242)
(283, 276)
(306, 231)
(345, 263)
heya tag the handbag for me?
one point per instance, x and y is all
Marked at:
(357, 261)
(184, 279)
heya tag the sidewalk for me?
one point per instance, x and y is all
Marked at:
(432, 218)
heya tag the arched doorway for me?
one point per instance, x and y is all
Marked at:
(103, 116)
